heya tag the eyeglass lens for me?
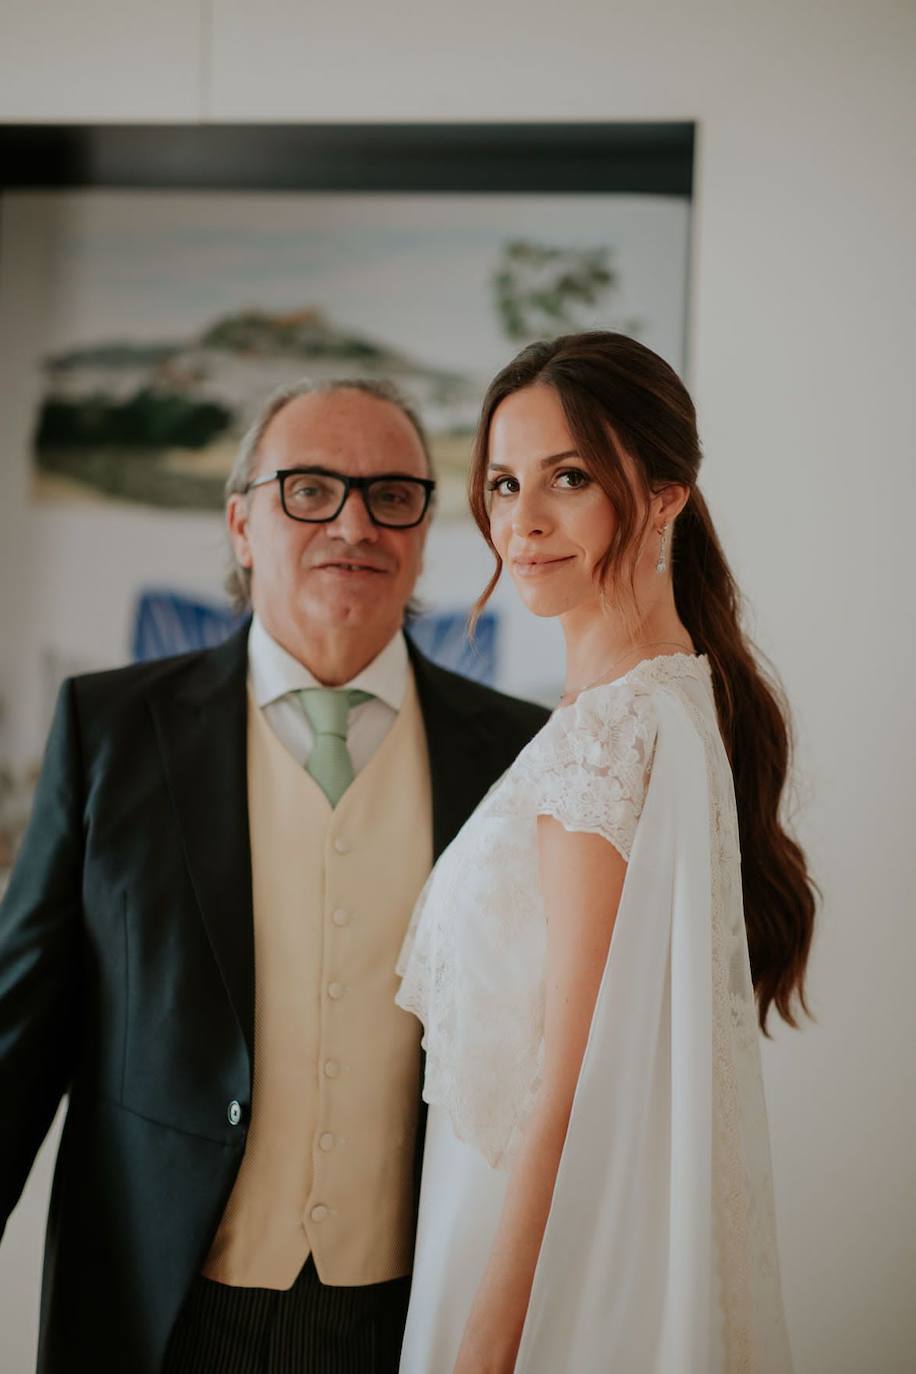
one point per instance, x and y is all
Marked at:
(316, 496)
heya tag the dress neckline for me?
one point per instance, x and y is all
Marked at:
(678, 665)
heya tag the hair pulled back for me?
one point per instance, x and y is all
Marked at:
(634, 427)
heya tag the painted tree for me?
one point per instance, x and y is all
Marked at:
(541, 290)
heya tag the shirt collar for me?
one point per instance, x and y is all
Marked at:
(274, 672)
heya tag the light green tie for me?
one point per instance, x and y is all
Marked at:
(327, 710)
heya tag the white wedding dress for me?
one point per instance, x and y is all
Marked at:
(659, 1255)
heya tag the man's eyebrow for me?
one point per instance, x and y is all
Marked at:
(547, 462)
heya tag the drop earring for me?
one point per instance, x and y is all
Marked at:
(662, 564)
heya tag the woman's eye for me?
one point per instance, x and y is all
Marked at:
(578, 480)
(581, 479)
(497, 485)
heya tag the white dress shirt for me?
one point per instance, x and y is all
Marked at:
(274, 674)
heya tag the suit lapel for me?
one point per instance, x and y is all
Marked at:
(461, 758)
(201, 725)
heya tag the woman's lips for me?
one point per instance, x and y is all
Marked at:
(539, 567)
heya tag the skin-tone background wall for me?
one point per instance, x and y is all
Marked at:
(801, 348)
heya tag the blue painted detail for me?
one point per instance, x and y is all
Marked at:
(168, 622)
(442, 637)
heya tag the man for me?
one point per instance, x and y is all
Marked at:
(199, 938)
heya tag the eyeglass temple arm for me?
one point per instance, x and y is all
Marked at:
(260, 482)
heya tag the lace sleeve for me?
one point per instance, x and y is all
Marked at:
(589, 767)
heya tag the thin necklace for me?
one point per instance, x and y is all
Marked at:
(656, 644)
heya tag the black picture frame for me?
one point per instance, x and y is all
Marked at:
(648, 158)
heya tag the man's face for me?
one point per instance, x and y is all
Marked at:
(348, 573)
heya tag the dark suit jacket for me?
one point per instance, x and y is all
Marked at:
(127, 978)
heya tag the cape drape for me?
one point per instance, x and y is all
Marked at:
(629, 1278)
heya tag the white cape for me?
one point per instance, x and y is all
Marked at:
(659, 1255)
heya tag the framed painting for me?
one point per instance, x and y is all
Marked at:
(427, 256)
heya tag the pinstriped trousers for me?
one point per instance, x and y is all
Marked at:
(310, 1328)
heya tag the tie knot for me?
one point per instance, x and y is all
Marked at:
(328, 708)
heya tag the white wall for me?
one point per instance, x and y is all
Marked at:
(802, 349)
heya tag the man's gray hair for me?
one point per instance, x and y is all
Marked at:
(238, 579)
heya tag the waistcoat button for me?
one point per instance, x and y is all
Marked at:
(234, 1113)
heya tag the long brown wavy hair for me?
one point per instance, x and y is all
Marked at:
(634, 426)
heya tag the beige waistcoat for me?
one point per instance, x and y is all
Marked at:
(328, 1164)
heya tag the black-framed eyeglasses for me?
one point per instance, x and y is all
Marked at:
(316, 495)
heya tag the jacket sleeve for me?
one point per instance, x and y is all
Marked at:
(39, 958)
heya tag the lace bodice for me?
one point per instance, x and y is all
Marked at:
(473, 960)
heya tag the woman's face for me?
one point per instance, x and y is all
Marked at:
(550, 521)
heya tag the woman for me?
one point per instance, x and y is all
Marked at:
(584, 958)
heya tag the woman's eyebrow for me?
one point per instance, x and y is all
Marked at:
(547, 462)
